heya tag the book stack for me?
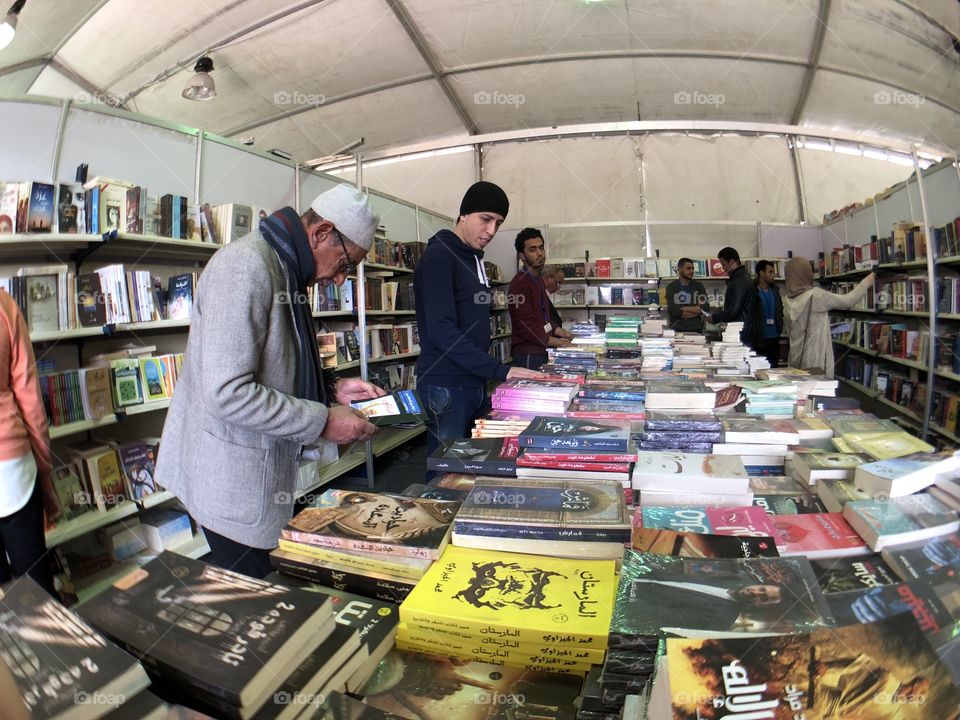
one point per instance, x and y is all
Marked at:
(502, 423)
(905, 475)
(694, 597)
(665, 430)
(679, 394)
(689, 531)
(372, 544)
(534, 395)
(479, 456)
(657, 353)
(882, 523)
(559, 518)
(554, 613)
(880, 439)
(57, 666)
(572, 359)
(211, 638)
(762, 444)
(770, 398)
(812, 674)
(671, 478)
(621, 332)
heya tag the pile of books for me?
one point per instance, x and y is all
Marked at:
(542, 613)
(534, 395)
(665, 430)
(557, 518)
(621, 332)
(671, 478)
(372, 544)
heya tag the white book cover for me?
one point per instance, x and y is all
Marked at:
(689, 471)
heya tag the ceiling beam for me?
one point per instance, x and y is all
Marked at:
(226, 40)
(97, 93)
(420, 42)
(823, 15)
(631, 54)
(25, 65)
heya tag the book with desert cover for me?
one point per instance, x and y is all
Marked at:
(881, 671)
(541, 599)
(375, 522)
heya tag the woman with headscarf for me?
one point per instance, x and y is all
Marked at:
(807, 319)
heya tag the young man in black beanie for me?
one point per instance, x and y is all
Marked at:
(453, 318)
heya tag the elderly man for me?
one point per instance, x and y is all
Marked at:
(252, 398)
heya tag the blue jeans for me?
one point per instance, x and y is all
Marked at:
(451, 410)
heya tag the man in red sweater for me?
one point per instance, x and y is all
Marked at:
(531, 327)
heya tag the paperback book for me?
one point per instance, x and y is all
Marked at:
(900, 520)
(484, 456)
(399, 408)
(572, 433)
(700, 545)
(837, 575)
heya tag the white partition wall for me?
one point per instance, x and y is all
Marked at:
(232, 173)
(30, 132)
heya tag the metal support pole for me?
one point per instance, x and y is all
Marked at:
(58, 145)
(931, 293)
(362, 326)
(296, 188)
(798, 179)
(198, 169)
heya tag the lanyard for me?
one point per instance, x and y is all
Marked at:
(543, 295)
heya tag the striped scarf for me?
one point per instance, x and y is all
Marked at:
(284, 232)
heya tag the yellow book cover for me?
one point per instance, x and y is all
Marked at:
(843, 445)
(154, 386)
(888, 445)
(466, 644)
(551, 665)
(410, 568)
(549, 600)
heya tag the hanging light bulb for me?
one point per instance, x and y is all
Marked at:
(8, 28)
(200, 86)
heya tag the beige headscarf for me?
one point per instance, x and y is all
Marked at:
(799, 276)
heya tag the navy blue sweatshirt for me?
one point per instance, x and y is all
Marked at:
(453, 316)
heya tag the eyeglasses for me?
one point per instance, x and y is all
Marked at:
(349, 267)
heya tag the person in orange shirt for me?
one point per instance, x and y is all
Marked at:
(26, 490)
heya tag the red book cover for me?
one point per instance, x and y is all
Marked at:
(816, 534)
(603, 267)
(716, 268)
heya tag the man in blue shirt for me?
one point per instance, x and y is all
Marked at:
(768, 318)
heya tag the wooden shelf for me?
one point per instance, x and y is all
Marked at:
(35, 244)
(157, 498)
(59, 431)
(906, 362)
(89, 521)
(908, 265)
(898, 313)
(55, 335)
(390, 268)
(389, 313)
(129, 244)
(334, 313)
(152, 325)
(880, 398)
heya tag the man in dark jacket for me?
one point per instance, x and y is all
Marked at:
(532, 329)
(739, 298)
(768, 315)
(453, 318)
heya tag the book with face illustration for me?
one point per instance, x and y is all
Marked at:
(689, 471)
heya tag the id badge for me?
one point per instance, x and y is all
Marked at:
(547, 328)
(769, 321)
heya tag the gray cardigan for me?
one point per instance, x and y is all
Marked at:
(234, 431)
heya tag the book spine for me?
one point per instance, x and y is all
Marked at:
(344, 543)
(394, 591)
(530, 394)
(507, 468)
(425, 643)
(589, 466)
(466, 641)
(439, 622)
(361, 564)
(508, 662)
(542, 406)
(613, 395)
(574, 442)
(530, 532)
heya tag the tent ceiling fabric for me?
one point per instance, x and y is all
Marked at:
(326, 72)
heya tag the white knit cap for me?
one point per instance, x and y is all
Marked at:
(350, 212)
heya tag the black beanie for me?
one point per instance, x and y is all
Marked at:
(484, 197)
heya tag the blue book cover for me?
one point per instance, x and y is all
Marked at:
(597, 394)
(558, 432)
(901, 515)
(40, 217)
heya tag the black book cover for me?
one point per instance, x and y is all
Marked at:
(57, 660)
(211, 629)
(573, 433)
(372, 585)
(658, 593)
(681, 422)
(484, 456)
(844, 574)
(872, 604)
(91, 308)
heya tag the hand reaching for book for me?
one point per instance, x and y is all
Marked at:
(346, 425)
(51, 505)
(353, 389)
(523, 373)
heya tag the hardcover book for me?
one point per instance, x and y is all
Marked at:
(536, 599)
(219, 633)
(55, 658)
(375, 522)
(883, 671)
(687, 595)
(572, 433)
(485, 456)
